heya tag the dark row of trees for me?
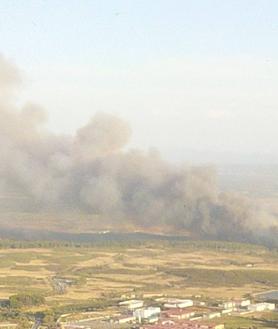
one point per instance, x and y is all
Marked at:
(26, 299)
(207, 244)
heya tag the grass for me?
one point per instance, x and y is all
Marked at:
(265, 320)
(211, 277)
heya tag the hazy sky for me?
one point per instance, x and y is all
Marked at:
(196, 79)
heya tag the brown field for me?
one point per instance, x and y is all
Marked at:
(154, 267)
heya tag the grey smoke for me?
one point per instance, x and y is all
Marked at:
(94, 172)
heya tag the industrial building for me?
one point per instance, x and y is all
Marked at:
(260, 307)
(178, 303)
(132, 304)
(150, 314)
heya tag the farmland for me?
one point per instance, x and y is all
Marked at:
(212, 269)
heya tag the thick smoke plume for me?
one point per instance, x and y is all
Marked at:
(93, 172)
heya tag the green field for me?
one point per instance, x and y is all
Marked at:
(262, 321)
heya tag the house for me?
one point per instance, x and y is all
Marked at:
(260, 307)
(132, 304)
(178, 303)
(150, 314)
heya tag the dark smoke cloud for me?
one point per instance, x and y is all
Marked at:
(93, 172)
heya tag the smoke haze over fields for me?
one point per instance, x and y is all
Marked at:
(94, 172)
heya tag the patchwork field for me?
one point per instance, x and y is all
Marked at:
(210, 269)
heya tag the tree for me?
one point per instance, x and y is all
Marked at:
(26, 299)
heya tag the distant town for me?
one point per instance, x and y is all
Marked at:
(163, 312)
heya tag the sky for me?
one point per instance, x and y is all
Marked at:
(195, 79)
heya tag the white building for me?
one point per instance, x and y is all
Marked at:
(178, 303)
(212, 315)
(132, 304)
(242, 302)
(227, 311)
(260, 307)
(228, 305)
(151, 314)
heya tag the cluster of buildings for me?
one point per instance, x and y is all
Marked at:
(174, 313)
(152, 314)
(245, 306)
